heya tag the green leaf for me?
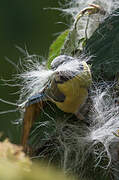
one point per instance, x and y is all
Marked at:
(56, 46)
(104, 48)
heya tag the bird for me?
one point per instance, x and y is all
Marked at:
(67, 88)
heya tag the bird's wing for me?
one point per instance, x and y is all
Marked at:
(35, 104)
(50, 92)
(36, 99)
(32, 110)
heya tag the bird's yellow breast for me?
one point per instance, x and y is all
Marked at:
(75, 91)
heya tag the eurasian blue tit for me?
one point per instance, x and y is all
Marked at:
(67, 88)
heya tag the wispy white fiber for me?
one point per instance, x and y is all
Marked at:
(73, 8)
(94, 146)
(104, 124)
(33, 78)
(79, 141)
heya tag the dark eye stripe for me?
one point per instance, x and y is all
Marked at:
(80, 67)
(67, 75)
(64, 78)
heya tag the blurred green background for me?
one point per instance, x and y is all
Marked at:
(23, 23)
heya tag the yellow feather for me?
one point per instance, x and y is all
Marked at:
(75, 91)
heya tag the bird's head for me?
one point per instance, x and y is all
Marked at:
(63, 76)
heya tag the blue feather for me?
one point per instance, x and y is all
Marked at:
(35, 99)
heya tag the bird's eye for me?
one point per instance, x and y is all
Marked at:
(81, 67)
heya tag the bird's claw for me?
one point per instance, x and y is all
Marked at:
(94, 9)
(91, 9)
